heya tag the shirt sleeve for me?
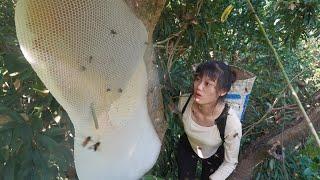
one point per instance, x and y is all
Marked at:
(231, 153)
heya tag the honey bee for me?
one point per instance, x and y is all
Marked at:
(86, 141)
(113, 32)
(90, 59)
(83, 68)
(120, 90)
(235, 135)
(95, 146)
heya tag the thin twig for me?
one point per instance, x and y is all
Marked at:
(294, 94)
(179, 34)
(170, 37)
(264, 116)
(253, 133)
(250, 127)
(287, 107)
(199, 5)
(159, 46)
(171, 55)
(282, 149)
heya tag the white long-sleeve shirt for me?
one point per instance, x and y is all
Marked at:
(205, 141)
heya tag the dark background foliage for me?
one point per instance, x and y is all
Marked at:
(35, 141)
(190, 32)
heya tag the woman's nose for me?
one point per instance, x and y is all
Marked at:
(200, 86)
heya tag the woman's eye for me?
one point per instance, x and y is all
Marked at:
(209, 84)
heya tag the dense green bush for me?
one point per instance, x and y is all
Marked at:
(35, 140)
(299, 163)
(190, 32)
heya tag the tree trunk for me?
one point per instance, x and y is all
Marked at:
(258, 150)
(149, 12)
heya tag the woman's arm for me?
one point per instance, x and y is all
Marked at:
(233, 134)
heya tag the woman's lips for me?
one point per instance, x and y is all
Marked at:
(198, 95)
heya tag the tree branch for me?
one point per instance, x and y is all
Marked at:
(294, 94)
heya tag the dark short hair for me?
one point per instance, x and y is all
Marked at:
(217, 71)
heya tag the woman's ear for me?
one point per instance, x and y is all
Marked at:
(223, 92)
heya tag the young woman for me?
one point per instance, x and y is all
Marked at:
(212, 129)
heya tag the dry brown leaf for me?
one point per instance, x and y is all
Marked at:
(17, 84)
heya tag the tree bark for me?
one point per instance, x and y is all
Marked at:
(149, 11)
(258, 150)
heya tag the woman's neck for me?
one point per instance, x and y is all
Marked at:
(208, 109)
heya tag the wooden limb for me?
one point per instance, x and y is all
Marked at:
(294, 94)
(199, 5)
(286, 107)
(169, 38)
(264, 117)
(258, 150)
(171, 54)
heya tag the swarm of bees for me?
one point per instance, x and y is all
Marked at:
(84, 68)
(94, 146)
(120, 90)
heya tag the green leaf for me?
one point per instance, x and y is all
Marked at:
(258, 176)
(25, 132)
(36, 158)
(9, 170)
(47, 142)
(40, 164)
(5, 138)
(27, 74)
(35, 175)
(61, 162)
(8, 126)
(15, 63)
(63, 151)
(24, 172)
(16, 145)
(36, 123)
(55, 131)
(271, 164)
(26, 158)
(307, 172)
(12, 114)
(39, 87)
(151, 177)
(5, 153)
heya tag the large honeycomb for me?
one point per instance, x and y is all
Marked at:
(89, 54)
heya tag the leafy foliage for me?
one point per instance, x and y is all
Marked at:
(190, 32)
(34, 140)
(34, 144)
(300, 163)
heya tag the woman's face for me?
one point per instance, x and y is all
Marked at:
(205, 90)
